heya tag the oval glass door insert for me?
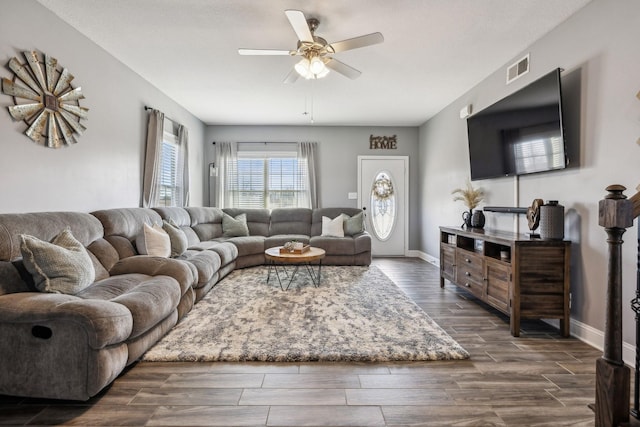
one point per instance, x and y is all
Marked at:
(383, 206)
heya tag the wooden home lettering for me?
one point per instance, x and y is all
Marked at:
(383, 142)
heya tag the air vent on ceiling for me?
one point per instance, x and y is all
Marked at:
(518, 69)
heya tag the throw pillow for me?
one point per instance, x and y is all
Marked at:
(332, 227)
(61, 266)
(177, 237)
(234, 227)
(153, 241)
(353, 224)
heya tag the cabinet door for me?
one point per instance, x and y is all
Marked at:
(469, 272)
(498, 276)
(448, 262)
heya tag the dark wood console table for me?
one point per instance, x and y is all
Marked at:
(522, 277)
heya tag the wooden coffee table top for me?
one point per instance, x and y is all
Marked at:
(313, 254)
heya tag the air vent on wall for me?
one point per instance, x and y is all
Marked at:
(518, 69)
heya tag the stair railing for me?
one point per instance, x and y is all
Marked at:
(616, 214)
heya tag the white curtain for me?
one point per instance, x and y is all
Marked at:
(182, 178)
(226, 155)
(151, 176)
(308, 158)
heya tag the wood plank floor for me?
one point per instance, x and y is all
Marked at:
(538, 379)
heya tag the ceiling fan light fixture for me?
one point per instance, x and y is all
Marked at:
(316, 66)
(302, 67)
(311, 67)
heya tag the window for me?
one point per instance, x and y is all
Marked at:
(169, 192)
(269, 180)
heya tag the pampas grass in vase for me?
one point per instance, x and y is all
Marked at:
(471, 197)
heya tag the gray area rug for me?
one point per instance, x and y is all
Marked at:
(357, 314)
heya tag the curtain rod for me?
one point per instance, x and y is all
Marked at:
(146, 107)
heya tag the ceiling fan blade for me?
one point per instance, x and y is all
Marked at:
(357, 42)
(299, 24)
(291, 77)
(342, 68)
(263, 52)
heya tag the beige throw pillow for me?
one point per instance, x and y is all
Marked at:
(153, 241)
(177, 237)
(62, 266)
(333, 227)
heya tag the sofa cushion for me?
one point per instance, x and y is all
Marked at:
(353, 224)
(247, 245)
(62, 266)
(206, 223)
(234, 227)
(153, 240)
(206, 263)
(333, 227)
(177, 237)
(334, 245)
(290, 221)
(149, 299)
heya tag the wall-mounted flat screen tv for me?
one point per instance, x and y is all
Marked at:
(520, 134)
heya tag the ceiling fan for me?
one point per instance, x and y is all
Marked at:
(316, 53)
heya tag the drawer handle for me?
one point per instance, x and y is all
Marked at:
(467, 285)
(466, 273)
(467, 259)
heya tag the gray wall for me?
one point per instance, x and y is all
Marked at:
(338, 150)
(104, 169)
(598, 49)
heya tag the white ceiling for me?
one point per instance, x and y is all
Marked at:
(434, 51)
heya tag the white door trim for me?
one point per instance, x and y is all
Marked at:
(406, 189)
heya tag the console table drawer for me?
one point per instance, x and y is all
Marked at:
(469, 272)
(469, 261)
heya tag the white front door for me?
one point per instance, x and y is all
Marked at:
(382, 189)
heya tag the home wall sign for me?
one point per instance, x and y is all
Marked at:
(383, 142)
(45, 100)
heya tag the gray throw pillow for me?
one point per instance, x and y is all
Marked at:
(62, 266)
(178, 238)
(234, 227)
(353, 224)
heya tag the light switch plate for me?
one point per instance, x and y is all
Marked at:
(352, 196)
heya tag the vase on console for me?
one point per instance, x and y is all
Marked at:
(466, 218)
(477, 219)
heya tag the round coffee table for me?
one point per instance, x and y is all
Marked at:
(278, 260)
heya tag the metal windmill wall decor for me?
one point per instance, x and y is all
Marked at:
(45, 99)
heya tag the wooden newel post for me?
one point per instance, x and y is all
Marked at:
(612, 376)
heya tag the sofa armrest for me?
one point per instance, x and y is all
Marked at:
(362, 242)
(44, 314)
(157, 266)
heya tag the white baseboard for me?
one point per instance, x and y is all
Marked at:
(585, 333)
(424, 256)
(595, 338)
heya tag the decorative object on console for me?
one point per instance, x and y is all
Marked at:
(533, 216)
(45, 100)
(471, 197)
(552, 221)
(477, 219)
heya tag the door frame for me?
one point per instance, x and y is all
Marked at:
(405, 204)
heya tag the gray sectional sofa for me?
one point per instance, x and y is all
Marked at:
(72, 345)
